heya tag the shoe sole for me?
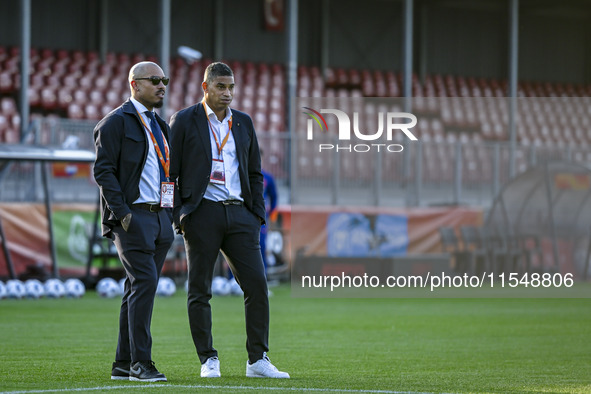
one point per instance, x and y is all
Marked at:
(119, 377)
(256, 375)
(212, 376)
(147, 380)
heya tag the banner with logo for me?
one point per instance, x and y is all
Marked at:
(27, 235)
(370, 231)
(72, 227)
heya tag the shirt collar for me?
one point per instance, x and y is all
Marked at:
(141, 108)
(212, 115)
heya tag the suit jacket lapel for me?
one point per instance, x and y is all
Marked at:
(203, 130)
(238, 138)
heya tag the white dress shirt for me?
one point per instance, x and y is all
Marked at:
(231, 190)
(150, 178)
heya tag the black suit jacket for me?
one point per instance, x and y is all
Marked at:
(190, 163)
(121, 150)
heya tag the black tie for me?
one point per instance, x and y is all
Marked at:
(157, 132)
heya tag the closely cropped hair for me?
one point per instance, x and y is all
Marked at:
(217, 69)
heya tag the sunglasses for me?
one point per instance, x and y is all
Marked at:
(156, 80)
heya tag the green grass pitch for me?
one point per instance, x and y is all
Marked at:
(327, 345)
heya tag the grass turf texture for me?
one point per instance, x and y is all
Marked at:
(415, 345)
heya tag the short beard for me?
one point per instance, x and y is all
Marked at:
(159, 104)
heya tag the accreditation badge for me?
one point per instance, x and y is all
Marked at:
(167, 194)
(218, 174)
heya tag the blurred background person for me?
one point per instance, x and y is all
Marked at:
(270, 195)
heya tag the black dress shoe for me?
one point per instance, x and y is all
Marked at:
(145, 371)
(120, 370)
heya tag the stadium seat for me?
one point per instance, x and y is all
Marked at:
(260, 120)
(113, 98)
(34, 97)
(450, 243)
(6, 82)
(8, 106)
(49, 98)
(533, 253)
(11, 136)
(91, 111)
(96, 97)
(105, 109)
(75, 111)
(15, 122)
(505, 251)
(475, 247)
(61, 77)
(4, 125)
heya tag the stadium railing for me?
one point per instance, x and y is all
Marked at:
(462, 173)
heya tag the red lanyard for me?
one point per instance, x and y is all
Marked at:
(165, 163)
(220, 147)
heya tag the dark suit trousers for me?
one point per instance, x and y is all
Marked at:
(142, 251)
(234, 230)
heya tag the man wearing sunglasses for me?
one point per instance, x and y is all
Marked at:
(131, 170)
(217, 166)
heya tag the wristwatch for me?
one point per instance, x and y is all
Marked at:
(125, 221)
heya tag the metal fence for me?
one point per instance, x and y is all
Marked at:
(423, 174)
(23, 181)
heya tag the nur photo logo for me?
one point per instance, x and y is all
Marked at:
(388, 123)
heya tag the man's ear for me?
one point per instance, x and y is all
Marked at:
(204, 86)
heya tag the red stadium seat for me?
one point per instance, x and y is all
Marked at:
(64, 98)
(11, 136)
(330, 77)
(4, 125)
(6, 82)
(105, 109)
(62, 79)
(15, 121)
(260, 120)
(75, 111)
(8, 106)
(34, 96)
(91, 111)
(49, 98)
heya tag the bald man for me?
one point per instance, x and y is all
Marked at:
(131, 170)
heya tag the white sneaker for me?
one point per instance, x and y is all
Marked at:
(264, 369)
(211, 368)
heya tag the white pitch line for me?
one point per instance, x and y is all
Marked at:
(149, 386)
